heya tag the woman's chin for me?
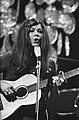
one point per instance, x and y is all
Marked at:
(35, 44)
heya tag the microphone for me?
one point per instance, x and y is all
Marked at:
(37, 51)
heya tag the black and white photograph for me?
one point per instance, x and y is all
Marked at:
(39, 59)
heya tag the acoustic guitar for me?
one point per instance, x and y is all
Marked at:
(26, 92)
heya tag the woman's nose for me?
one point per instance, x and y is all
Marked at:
(36, 32)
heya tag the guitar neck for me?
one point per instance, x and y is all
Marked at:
(32, 87)
(70, 73)
(43, 83)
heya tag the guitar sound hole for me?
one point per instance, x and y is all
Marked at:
(21, 92)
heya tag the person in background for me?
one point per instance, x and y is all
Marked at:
(32, 34)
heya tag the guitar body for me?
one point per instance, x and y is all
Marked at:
(26, 99)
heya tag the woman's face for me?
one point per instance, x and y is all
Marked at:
(35, 34)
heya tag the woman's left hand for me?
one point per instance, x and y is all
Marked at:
(58, 81)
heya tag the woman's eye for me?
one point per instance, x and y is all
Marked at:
(40, 31)
(31, 30)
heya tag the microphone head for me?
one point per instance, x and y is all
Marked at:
(37, 51)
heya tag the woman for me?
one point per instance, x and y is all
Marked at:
(32, 34)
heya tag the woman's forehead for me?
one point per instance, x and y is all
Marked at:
(37, 26)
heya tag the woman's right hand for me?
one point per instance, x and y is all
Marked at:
(8, 90)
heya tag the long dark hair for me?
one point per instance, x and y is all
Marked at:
(23, 48)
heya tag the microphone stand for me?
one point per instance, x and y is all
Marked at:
(38, 86)
(37, 51)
